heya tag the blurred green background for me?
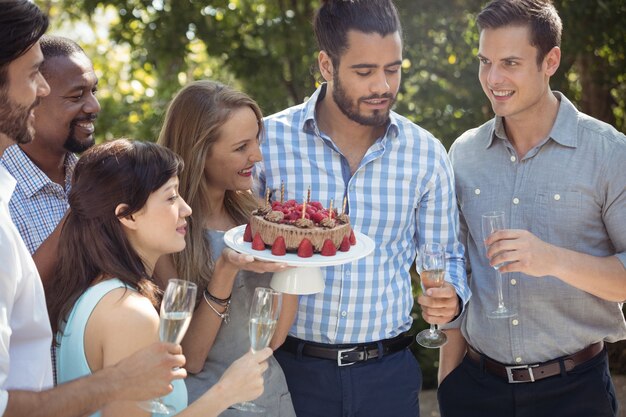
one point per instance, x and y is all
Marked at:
(145, 50)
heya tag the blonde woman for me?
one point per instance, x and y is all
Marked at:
(216, 130)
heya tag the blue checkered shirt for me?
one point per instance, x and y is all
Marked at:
(38, 203)
(401, 195)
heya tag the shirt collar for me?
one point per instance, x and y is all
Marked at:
(70, 163)
(7, 185)
(29, 177)
(309, 121)
(564, 130)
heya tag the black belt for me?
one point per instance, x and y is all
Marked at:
(346, 354)
(531, 373)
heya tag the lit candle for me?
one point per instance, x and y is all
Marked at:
(282, 192)
(345, 200)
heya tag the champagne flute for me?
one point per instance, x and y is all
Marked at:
(432, 275)
(264, 312)
(177, 307)
(492, 222)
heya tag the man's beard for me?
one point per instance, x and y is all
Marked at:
(72, 144)
(351, 110)
(14, 119)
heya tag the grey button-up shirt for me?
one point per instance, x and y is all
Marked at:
(570, 191)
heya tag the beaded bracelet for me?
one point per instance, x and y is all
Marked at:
(226, 314)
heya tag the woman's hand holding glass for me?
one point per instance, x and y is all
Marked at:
(243, 380)
(177, 307)
(264, 312)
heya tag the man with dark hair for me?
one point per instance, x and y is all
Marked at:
(21, 25)
(43, 167)
(347, 353)
(558, 176)
(25, 335)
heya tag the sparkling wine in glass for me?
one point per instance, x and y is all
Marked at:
(431, 261)
(261, 332)
(264, 312)
(176, 309)
(493, 221)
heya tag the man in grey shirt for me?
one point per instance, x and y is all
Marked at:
(558, 176)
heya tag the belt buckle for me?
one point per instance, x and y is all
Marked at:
(340, 353)
(510, 369)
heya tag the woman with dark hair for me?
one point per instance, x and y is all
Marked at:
(125, 213)
(216, 131)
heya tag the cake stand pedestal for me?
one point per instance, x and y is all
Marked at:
(306, 277)
(301, 280)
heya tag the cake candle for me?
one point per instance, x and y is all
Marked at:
(282, 192)
(330, 209)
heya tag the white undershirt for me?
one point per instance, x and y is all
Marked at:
(25, 333)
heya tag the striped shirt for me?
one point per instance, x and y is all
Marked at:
(38, 203)
(401, 195)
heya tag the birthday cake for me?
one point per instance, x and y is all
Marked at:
(305, 228)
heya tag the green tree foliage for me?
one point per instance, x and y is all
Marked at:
(266, 48)
(593, 66)
(440, 89)
(262, 47)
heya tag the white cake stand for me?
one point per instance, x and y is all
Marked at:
(306, 277)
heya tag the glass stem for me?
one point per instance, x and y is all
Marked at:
(499, 287)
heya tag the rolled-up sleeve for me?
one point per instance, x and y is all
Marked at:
(439, 222)
(614, 212)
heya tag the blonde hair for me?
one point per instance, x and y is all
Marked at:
(192, 125)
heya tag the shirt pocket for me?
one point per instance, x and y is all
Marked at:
(557, 214)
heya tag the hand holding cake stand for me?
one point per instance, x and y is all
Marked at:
(306, 277)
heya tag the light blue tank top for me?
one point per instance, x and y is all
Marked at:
(71, 362)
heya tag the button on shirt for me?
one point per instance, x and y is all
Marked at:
(25, 334)
(38, 203)
(401, 195)
(569, 191)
